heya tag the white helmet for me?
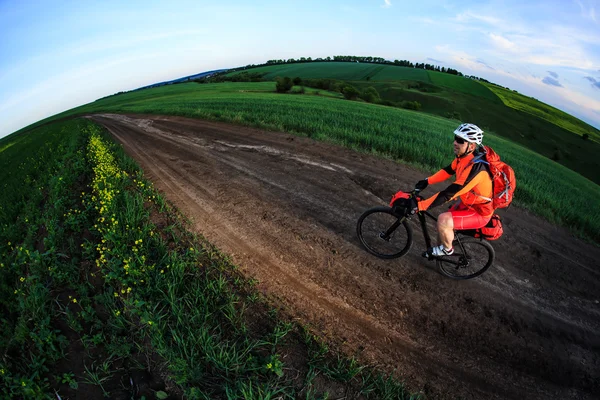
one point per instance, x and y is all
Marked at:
(471, 133)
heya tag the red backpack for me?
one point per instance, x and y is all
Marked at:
(492, 230)
(503, 178)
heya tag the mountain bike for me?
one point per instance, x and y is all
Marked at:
(386, 233)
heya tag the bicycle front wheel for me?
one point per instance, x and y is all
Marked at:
(384, 234)
(471, 258)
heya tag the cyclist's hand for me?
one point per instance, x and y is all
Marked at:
(422, 184)
(412, 206)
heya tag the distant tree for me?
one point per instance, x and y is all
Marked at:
(370, 95)
(350, 92)
(297, 80)
(585, 136)
(284, 84)
(411, 105)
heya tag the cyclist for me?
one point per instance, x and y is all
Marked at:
(472, 186)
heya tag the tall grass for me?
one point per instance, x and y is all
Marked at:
(96, 266)
(543, 186)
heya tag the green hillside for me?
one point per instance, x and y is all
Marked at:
(462, 84)
(349, 71)
(533, 124)
(545, 187)
(341, 70)
(544, 111)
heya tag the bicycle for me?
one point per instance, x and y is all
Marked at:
(384, 232)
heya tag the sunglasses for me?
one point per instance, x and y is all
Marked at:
(459, 140)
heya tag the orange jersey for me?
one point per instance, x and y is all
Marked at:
(473, 186)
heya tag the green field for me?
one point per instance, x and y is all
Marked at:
(544, 186)
(353, 72)
(463, 85)
(100, 281)
(545, 112)
(534, 125)
(346, 71)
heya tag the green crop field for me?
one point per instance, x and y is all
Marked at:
(528, 122)
(461, 84)
(100, 283)
(545, 187)
(349, 71)
(546, 112)
(346, 71)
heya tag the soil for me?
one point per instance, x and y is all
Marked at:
(285, 208)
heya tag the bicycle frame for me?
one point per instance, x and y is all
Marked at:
(423, 221)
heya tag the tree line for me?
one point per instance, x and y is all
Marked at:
(358, 59)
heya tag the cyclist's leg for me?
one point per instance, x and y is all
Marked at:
(445, 224)
(445, 228)
(468, 219)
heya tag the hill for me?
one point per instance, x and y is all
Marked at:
(529, 122)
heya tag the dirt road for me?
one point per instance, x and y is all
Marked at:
(285, 208)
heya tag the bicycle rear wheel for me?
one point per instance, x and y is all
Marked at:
(471, 258)
(384, 234)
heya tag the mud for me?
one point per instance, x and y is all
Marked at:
(285, 208)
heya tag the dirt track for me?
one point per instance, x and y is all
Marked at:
(285, 208)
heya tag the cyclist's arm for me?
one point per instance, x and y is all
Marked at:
(455, 190)
(441, 175)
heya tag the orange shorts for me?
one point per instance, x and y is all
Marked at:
(463, 218)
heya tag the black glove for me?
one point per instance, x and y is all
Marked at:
(412, 206)
(422, 184)
(408, 205)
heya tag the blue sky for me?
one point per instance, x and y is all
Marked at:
(56, 55)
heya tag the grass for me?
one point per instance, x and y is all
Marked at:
(534, 125)
(533, 107)
(341, 70)
(357, 72)
(543, 186)
(463, 85)
(100, 278)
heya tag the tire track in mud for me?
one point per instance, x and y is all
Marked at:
(285, 208)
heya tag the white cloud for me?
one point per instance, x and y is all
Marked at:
(470, 16)
(513, 34)
(556, 46)
(388, 4)
(588, 12)
(559, 96)
(502, 42)
(425, 20)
